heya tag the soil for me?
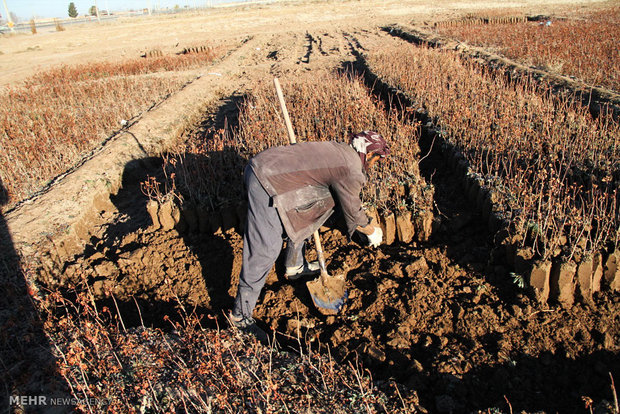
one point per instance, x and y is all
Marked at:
(439, 317)
(442, 317)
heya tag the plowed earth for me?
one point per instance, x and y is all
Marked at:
(442, 318)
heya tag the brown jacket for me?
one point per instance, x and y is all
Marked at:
(303, 180)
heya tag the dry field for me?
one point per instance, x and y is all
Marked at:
(122, 211)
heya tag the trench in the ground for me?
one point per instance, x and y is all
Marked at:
(146, 275)
(439, 317)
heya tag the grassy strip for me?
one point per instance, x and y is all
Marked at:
(98, 70)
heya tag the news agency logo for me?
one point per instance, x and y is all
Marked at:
(28, 400)
(43, 400)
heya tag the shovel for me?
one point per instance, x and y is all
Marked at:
(329, 293)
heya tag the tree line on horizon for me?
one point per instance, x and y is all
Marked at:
(92, 11)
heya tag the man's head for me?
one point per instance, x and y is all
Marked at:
(370, 146)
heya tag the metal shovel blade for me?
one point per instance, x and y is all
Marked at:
(329, 293)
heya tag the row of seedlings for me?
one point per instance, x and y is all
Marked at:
(472, 20)
(540, 169)
(583, 46)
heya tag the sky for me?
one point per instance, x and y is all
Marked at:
(27, 9)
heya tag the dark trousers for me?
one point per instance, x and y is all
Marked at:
(262, 243)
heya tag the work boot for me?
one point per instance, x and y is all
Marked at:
(248, 325)
(306, 269)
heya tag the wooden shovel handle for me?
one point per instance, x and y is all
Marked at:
(287, 119)
(293, 140)
(319, 253)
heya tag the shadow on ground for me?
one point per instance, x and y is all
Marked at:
(28, 377)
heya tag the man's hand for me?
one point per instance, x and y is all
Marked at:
(375, 238)
(373, 232)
